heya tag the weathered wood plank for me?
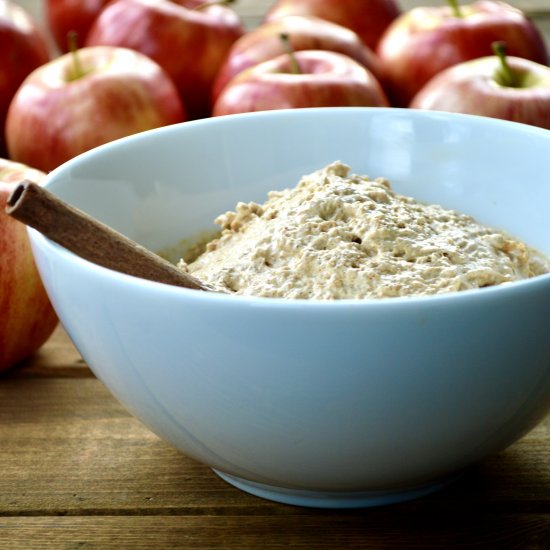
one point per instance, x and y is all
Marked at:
(369, 529)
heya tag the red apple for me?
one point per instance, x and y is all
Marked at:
(27, 317)
(425, 41)
(326, 79)
(63, 109)
(305, 33)
(22, 49)
(510, 88)
(65, 16)
(190, 43)
(368, 18)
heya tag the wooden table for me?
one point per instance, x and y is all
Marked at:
(78, 472)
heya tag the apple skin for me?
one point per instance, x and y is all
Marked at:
(189, 44)
(64, 16)
(23, 48)
(368, 18)
(328, 79)
(471, 88)
(28, 318)
(52, 118)
(304, 33)
(425, 41)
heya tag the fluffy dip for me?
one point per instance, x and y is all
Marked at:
(338, 235)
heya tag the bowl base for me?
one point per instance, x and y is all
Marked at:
(332, 499)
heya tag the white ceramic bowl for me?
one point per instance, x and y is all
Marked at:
(348, 403)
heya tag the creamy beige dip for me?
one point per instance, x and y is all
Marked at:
(340, 235)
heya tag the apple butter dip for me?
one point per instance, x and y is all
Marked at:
(338, 235)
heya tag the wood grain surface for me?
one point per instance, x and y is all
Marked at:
(78, 472)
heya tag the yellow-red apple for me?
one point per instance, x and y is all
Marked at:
(66, 16)
(509, 88)
(426, 40)
(368, 18)
(320, 79)
(305, 33)
(65, 108)
(189, 41)
(22, 49)
(27, 318)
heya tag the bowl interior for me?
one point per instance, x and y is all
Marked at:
(168, 184)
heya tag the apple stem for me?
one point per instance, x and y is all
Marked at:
(77, 70)
(214, 3)
(455, 6)
(294, 65)
(505, 76)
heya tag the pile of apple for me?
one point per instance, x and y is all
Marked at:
(144, 64)
(126, 66)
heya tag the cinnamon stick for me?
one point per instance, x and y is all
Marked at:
(89, 238)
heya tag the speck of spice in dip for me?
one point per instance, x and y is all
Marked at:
(338, 235)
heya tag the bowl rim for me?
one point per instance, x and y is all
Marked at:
(525, 285)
